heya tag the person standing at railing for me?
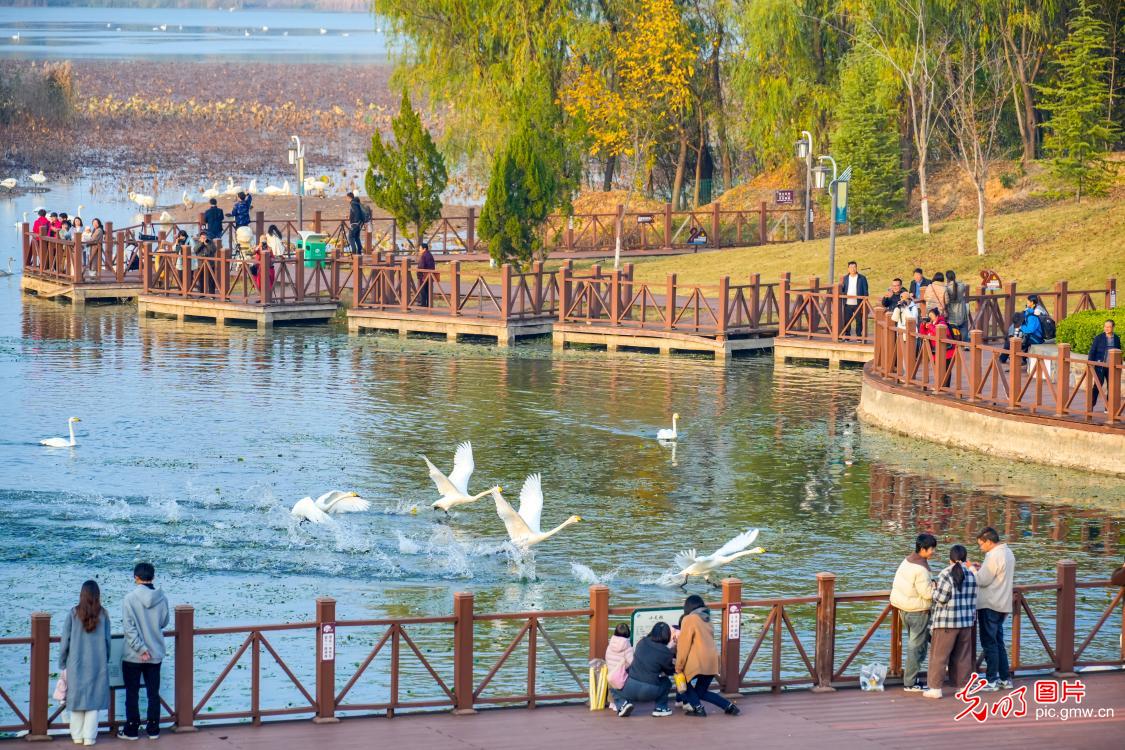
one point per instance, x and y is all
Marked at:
(853, 289)
(697, 658)
(426, 273)
(241, 211)
(957, 305)
(951, 624)
(1030, 330)
(84, 655)
(146, 616)
(1099, 352)
(930, 328)
(919, 283)
(894, 294)
(912, 595)
(356, 220)
(213, 224)
(995, 576)
(42, 225)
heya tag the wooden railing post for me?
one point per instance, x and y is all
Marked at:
(835, 312)
(1062, 378)
(825, 654)
(599, 620)
(763, 233)
(185, 668)
(463, 653)
(976, 364)
(404, 281)
(895, 668)
(299, 273)
(724, 307)
(77, 267)
(755, 300)
(911, 345)
(667, 226)
(783, 304)
(941, 365)
(357, 278)
(1060, 299)
(537, 301)
(716, 237)
(25, 238)
(564, 291)
(224, 274)
(265, 264)
(1110, 293)
(1015, 371)
(1067, 596)
(185, 270)
(730, 677)
(1113, 386)
(455, 288)
(259, 224)
(325, 647)
(505, 292)
(1009, 300)
(670, 302)
(318, 221)
(39, 684)
(145, 268)
(615, 299)
(471, 230)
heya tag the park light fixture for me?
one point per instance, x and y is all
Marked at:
(820, 174)
(297, 159)
(803, 149)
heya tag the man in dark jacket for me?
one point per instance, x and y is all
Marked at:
(241, 211)
(355, 223)
(853, 292)
(1099, 352)
(213, 219)
(426, 278)
(894, 295)
(917, 283)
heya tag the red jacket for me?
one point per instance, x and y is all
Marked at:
(930, 329)
(42, 226)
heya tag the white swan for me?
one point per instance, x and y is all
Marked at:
(63, 442)
(211, 192)
(232, 189)
(454, 488)
(314, 187)
(275, 190)
(165, 218)
(523, 527)
(252, 188)
(666, 434)
(187, 200)
(9, 272)
(38, 178)
(328, 504)
(693, 564)
(144, 201)
(9, 183)
(77, 211)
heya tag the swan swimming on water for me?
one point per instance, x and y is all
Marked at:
(666, 434)
(10, 271)
(63, 442)
(329, 504)
(693, 564)
(524, 526)
(454, 488)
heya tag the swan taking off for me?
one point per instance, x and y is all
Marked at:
(329, 504)
(454, 488)
(666, 434)
(10, 271)
(692, 564)
(523, 527)
(63, 442)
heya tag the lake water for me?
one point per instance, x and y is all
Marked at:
(199, 34)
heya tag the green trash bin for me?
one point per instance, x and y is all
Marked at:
(315, 247)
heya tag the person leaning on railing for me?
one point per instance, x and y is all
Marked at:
(1099, 352)
(1030, 329)
(912, 595)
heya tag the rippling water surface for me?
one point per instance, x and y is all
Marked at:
(195, 442)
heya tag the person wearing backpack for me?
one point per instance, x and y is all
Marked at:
(957, 305)
(357, 217)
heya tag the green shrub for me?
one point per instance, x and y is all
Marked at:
(1008, 180)
(1079, 329)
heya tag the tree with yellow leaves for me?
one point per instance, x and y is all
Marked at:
(647, 89)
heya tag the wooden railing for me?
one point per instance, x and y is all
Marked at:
(454, 660)
(1059, 387)
(615, 300)
(506, 296)
(819, 312)
(74, 261)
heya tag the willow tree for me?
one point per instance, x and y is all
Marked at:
(406, 177)
(653, 67)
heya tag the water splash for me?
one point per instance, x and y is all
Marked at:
(168, 508)
(402, 508)
(406, 545)
(586, 574)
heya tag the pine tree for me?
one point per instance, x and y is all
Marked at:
(526, 184)
(867, 138)
(406, 178)
(1077, 98)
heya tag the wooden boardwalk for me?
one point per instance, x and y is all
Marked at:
(845, 719)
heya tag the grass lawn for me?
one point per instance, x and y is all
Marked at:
(1081, 243)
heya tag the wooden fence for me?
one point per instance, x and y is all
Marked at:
(820, 312)
(1060, 386)
(794, 642)
(614, 300)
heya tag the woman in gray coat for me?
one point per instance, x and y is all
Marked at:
(84, 654)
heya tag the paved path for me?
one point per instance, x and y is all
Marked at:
(848, 718)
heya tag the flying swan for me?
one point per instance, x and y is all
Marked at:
(63, 442)
(523, 527)
(454, 488)
(328, 504)
(666, 434)
(693, 564)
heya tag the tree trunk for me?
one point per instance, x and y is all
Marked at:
(699, 163)
(607, 178)
(924, 203)
(1030, 122)
(681, 167)
(980, 216)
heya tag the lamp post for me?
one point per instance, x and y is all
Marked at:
(805, 151)
(297, 159)
(821, 178)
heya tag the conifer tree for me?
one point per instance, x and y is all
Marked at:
(1077, 97)
(867, 138)
(406, 178)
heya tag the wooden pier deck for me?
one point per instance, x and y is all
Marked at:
(845, 720)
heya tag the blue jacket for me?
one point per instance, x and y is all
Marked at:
(241, 212)
(1099, 350)
(1032, 328)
